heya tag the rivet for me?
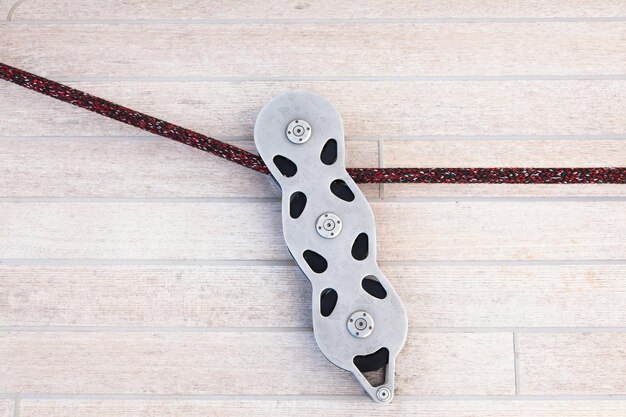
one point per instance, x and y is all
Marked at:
(328, 225)
(298, 131)
(383, 394)
(360, 324)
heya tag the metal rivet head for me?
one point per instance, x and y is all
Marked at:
(360, 324)
(383, 394)
(328, 225)
(298, 131)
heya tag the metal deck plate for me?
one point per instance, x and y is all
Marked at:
(298, 168)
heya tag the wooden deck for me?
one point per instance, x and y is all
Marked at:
(140, 277)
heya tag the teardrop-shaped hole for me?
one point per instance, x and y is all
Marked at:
(297, 203)
(329, 152)
(374, 366)
(360, 247)
(315, 261)
(285, 166)
(328, 301)
(341, 190)
(373, 361)
(373, 287)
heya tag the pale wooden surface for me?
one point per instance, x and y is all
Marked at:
(436, 296)
(140, 277)
(320, 408)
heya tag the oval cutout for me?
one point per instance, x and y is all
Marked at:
(373, 361)
(285, 166)
(328, 301)
(297, 203)
(373, 287)
(341, 190)
(329, 152)
(315, 261)
(360, 247)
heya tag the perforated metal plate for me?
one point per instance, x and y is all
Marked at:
(347, 283)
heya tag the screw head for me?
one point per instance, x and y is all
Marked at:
(383, 394)
(360, 324)
(328, 225)
(298, 131)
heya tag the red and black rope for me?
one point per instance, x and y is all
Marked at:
(132, 117)
(490, 175)
(601, 175)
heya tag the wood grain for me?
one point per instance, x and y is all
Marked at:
(5, 8)
(6, 408)
(110, 168)
(510, 153)
(372, 108)
(320, 408)
(572, 363)
(563, 48)
(279, 296)
(287, 363)
(319, 9)
(525, 230)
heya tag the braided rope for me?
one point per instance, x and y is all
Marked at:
(490, 175)
(132, 117)
(600, 175)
